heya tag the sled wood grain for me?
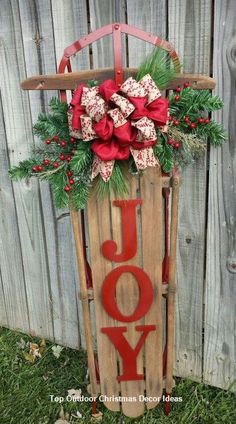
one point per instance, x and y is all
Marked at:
(99, 231)
(151, 212)
(71, 80)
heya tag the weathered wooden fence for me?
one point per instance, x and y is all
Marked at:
(38, 279)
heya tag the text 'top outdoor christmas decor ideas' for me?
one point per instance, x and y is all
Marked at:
(114, 140)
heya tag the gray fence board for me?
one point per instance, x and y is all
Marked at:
(13, 303)
(220, 318)
(191, 35)
(39, 283)
(19, 133)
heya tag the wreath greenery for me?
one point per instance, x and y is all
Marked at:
(66, 162)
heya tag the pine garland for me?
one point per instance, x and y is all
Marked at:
(66, 162)
(157, 64)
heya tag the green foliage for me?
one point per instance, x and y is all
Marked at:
(195, 104)
(213, 131)
(76, 155)
(92, 83)
(83, 157)
(23, 170)
(79, 195)
(116, 184)
(58, 181)
(165, 154)
(55, 123)
(194, 101)
(26, 388)
(159, 66)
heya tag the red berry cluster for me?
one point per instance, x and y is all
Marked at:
(37, 168)
(62, 157)
(192, 125)
(173, 143)
(71, 181)
(178, 90)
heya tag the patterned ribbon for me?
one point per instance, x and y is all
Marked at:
(120, 121)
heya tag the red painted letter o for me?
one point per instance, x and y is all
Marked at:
(109, 293)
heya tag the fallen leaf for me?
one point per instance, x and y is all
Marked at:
(63, 417)
(42, 346)
(78, 415)
(29, 357)
(34, 350)
(33, 354)
(74, 394)
(21, 344)
(56, 350)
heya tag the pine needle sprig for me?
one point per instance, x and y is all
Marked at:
(117, 183)
(23, 170)
(164, 154)
(59, 108)
(79, 195)
(194, 101)
(66, 162)
(213, 131)
(158, 65)
(58, 181)
(49, 126)
(55, 123)
(83, 157)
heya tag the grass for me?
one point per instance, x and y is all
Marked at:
(25, 390)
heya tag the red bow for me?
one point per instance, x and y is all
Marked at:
(115, 139)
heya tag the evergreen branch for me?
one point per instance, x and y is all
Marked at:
(79, 195)
(214, 131)
(58, 181)
(58, 107)
(82, 159)
(165, 155)
(49, 126)
(194, 101)
(117, 183)
(158, 65)
(56, 123)
(23, 170)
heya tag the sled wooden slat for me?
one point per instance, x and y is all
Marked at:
(99, 231)
(127, 294)
(151, 212)
(71, 80)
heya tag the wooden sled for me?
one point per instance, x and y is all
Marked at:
(156, 234)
